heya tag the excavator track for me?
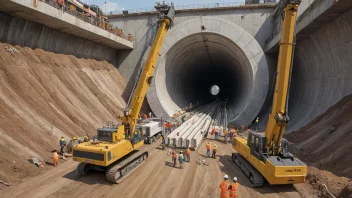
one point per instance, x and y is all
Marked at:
(254, 176)
(120, 170)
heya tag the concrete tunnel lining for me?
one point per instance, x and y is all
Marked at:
(193, 59)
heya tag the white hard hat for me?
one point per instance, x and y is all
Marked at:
(235, 179)
(226, 177)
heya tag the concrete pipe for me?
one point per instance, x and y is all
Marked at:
(207, 51)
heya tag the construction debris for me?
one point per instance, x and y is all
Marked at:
(36, 162)
(11, 49)
(6, 184)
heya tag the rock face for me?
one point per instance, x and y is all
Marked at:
(43, 96)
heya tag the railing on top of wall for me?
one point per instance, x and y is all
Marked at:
(198, 6)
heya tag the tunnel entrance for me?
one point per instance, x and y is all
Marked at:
(201, 60)
(193, 59)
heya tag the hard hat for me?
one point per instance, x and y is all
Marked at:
(226, 177)
(235, 179)
(74, 138)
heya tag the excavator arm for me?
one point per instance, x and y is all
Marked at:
(278, 118)
(166, 17)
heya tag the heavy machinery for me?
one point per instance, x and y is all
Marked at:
(152, 130)
(266, 154)
(114, 149)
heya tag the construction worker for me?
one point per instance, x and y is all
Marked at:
(62, 144)
(169, 126)
(55, 157)
(217, 133)
(174, 157)
(188, 155)
(233, 188)
(208, 149)
(180, 159)
(226, 133)
(86, 139)
(224, 187)
(215, 148)
(242, 127)
(145, 116)
(163, 144)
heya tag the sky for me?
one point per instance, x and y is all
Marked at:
(118, 5)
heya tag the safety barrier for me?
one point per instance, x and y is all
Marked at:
(198, 6)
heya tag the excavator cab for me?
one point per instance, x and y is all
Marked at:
(256, 143)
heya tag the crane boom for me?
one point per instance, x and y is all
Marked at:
(266, 155)
(278, 117)
(166, 15)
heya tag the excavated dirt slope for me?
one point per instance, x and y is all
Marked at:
(44, 96)
(325, 143)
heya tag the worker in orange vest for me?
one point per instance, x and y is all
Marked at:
(233, 188)
(224, 187)
(188, 155)
(174, 157)
(208, 149)
(55, 157)
(145, 116)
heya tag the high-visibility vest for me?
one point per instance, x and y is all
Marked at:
(215, 148)
(208, 146)
(188, 151)
(257, 120)
(233, 191)
(175, 154)
(224, 186)
(55, 156)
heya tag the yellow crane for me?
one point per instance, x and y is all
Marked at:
(114, 150)
(265, 155)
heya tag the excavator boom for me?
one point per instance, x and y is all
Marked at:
(166, 15)
(265, 155)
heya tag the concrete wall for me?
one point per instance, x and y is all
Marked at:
(322, 70)
(256, 21)
(17, 31)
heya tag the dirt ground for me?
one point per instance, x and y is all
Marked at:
(155, 178)
(325, 143)
(43, 96)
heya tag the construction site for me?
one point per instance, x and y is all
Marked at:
(245, 99)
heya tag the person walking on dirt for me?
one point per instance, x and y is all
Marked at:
(188, 155)
(174, 157)
(180, 159)
(226, 133)
(257, 123)
(163, 144)
(208, 149)
(62, 144)
(217, 133)
(233, 188)
(215, 148)
(224, 187)
(55, 157)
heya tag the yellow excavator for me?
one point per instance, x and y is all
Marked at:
(116, 148)
(265, 154)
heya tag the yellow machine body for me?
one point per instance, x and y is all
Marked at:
(105, 153)
(268, 152)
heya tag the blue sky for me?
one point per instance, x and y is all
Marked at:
(116, 5)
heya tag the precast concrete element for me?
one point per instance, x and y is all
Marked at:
(52, 17)
(205, 51)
